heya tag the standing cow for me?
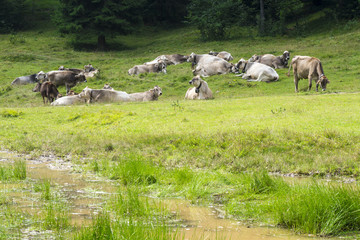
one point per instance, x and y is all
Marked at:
(49, 90)
(67, 78)
(310, 68)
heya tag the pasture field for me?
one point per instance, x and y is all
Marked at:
(230, 151)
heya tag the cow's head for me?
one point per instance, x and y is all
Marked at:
(161, 66)
(71, 93)
(240, 66)
(85, 94)
(191, 58)
(59, 95)
(88, 68)
(254, 58)
(107, 87)
(286, 55)
(233, 68)
(80, 78)
(40, 76)
(37, 87)
(196, 81)
(157, 91)
(61, 68)
(323, 81)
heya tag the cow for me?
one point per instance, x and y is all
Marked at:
(271, 60)
(147, 68)
(34, 78)
(89, 68)
(172, 59)
(202, 59)
(107, 86)
(67, 100)
(310, 68)
(200, 90)
(49, 90)
(150, 95)
(103, 95)
(256, 72)
(67, 78)
(75, 70)
(224, 55)
(71, 93)
(213, 68)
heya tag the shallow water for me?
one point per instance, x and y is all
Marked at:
(85, 195)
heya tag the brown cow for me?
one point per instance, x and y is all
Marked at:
(49, 91)
(310, 68)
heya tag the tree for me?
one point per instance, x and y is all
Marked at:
(101, 18)
(11, 15)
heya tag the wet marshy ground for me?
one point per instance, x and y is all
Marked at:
(84, 195)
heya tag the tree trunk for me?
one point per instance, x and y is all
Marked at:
(262, 17)
(101, 43)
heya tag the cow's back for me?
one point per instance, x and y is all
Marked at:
(61, 77)
(302, 65)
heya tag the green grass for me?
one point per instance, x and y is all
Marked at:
(218, 151)
(132, 217)
(320, 209)
(15, 171)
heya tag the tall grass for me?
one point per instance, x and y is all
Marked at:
(131, 218)
(320, 209)
(15, 171)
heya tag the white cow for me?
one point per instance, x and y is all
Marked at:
(256, 72)
(67, 100)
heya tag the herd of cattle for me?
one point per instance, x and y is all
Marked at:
(257, 68)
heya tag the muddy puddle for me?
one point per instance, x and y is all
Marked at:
(85, 194)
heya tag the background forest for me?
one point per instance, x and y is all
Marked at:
(216, 20)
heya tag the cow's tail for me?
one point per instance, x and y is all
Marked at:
(321, 69)
(288, 74)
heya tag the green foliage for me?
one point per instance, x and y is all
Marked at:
(11, 15)
(213, 18)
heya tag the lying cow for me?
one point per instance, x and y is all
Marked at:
(224, 55)
(147, 68)
(151, 95)
(256, 72)
(172, 59)
(49, 91)
(200, 90)
(213, 68)
(310, 68)
(34, 78)
(204, 59)
(75, 70)
(67, 100)
(67, 78)
(271, 60)
(103, 95)
(107, 86)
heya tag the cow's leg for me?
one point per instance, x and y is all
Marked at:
(310, 82)
(246, 76)
(296, 82)
(43, 99)
(317, 86)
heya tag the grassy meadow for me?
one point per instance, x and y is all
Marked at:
(224, 151)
